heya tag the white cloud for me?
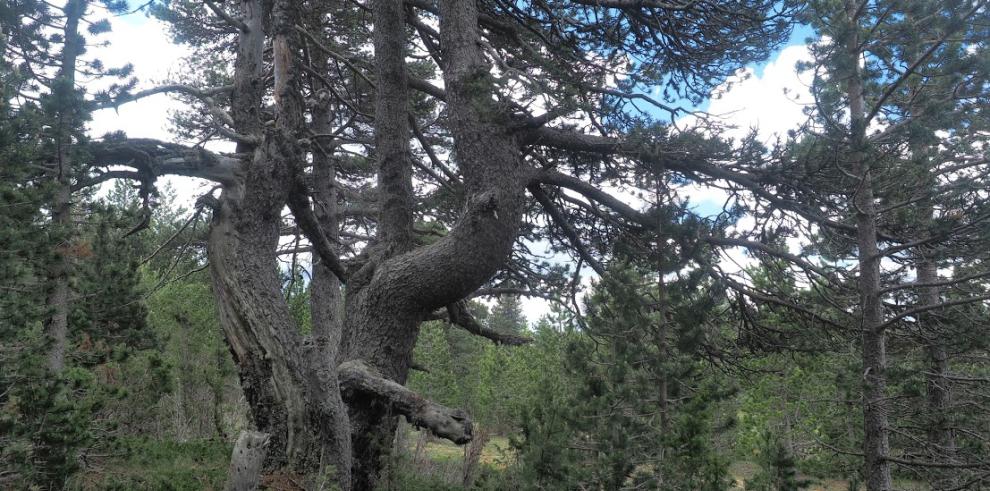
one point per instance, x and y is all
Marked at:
(771, 102)
(144, 43)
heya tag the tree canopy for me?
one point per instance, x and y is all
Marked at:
(394, 167)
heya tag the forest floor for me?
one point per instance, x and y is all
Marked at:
(497, 453)
(743, 470)
(202, 465)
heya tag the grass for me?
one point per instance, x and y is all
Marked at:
(494, 454)
(156, 465)
(497, 452)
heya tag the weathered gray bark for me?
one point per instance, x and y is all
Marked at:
(364, 332)
(291, 383)
(326, 295)
(357, 380)
(247, 461)
(876, 440)
(56, 325)
(390, 295)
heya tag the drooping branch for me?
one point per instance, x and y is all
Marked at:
(561, 221)
(204, 94)
(592, 192)
(358, 380)
(460, 316)
(299, 205)
(656, 157)
(229, 19)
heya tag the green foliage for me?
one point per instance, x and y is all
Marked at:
(606, 422)
(46, 420)
(793, 396)
(778, 470)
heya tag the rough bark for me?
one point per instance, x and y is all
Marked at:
(246, 461)
(939, 433)
(388, 298)
(326, 295)
(392, 127)
(940, 436)
(56, 325)
(282, 390)
(364, 333)
(876, 440)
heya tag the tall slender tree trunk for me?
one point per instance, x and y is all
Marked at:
(876, 439)
(941, 439)
(326, 294)
(57, 301)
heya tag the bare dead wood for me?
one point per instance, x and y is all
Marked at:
(246, 461)
(358, 380)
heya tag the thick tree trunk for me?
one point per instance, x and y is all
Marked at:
(388, 298)
(259, 329)
(292, 382)
(294, 396)
(327, 304)
(941, 440)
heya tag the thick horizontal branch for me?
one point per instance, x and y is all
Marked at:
(156, 158)
(460, 316)
(427, 88)
(357, 380)
(106, 176)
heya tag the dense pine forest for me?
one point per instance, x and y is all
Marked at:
(496, 245)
